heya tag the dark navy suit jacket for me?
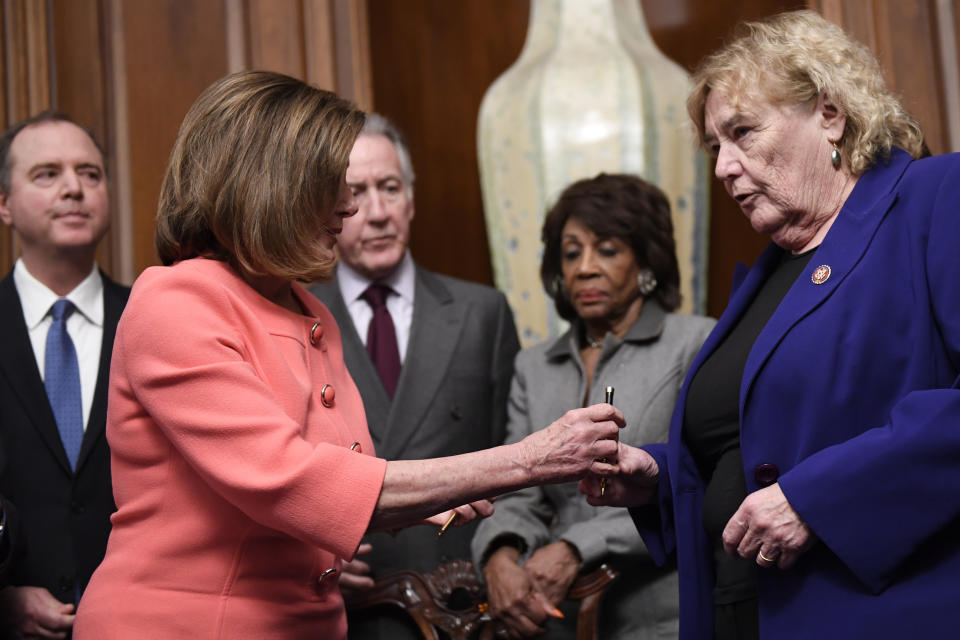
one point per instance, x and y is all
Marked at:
(851, 393)
(64, 514)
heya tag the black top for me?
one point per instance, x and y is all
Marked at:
(711, 427)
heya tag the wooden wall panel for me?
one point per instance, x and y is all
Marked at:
(908, 48)
(79, 88)
(26, 78)
(351, 50)
(948, 27)
(173, 51)
(432, 61)
(318, 35)
(276, 36)
(905, 38)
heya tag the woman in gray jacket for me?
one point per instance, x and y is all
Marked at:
(609, 263)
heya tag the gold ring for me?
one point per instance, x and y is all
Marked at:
(765, 558)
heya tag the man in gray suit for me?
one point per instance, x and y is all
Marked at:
(431, 355)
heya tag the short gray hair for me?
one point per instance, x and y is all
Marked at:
(378, 125)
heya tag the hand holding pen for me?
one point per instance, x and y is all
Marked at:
(481, 508)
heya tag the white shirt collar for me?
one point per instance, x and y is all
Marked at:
(36, 298)
(402, 280)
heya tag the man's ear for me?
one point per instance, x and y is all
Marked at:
(5, 215)
(832, 119)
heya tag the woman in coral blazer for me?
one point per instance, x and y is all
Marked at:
(242, 466)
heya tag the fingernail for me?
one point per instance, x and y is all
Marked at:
(556, 613)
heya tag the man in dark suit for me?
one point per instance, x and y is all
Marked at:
(58, 315)
(435, 376)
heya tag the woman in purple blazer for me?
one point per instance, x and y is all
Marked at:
(810, 487)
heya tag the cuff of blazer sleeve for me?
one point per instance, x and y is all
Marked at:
(505, 524)
(654, 522)
(347, 501)
(503, 540)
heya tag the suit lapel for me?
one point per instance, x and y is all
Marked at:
(376, 402)
(19, 366)
(114, 298)
(841, 251)
(434, 332)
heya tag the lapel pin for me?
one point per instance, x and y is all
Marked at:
(821, 274)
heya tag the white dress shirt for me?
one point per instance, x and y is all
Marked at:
(399, 304)
(85, 324)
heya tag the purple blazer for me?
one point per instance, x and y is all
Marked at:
(850, 395)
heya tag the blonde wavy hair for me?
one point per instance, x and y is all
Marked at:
(792, 58)
(258, 164)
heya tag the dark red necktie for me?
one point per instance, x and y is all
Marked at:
(382, 337)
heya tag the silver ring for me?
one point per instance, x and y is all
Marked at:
(765, 558)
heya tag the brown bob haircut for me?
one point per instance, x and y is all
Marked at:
(259, 162)
(614, 206)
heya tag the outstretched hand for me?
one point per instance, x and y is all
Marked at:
(574, 445)
(633, 485)
(465, 513)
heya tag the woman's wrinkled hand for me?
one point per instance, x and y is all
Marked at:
(635, 484)
(554, 567)
(574, 445)
(465, 513)
(516, 602)
(766, 528)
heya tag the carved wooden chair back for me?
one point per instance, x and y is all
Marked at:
(452, 599)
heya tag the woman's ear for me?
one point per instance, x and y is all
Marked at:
(832, 119)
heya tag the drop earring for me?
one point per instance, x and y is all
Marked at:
(835, 156)
(646, 281)
(557, 286)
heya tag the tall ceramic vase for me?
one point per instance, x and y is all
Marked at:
(590, 92)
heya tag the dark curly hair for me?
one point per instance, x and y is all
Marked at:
(614, 206)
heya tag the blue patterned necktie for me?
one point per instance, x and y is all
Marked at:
(62, 380)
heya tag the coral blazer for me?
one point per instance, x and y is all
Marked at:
(230, 424)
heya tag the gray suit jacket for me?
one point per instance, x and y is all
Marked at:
(646, 369)
(450, 399)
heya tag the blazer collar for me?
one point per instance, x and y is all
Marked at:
(841, 251)
(648, 326)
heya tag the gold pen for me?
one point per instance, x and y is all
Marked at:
(608, 398)
(447, 524)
